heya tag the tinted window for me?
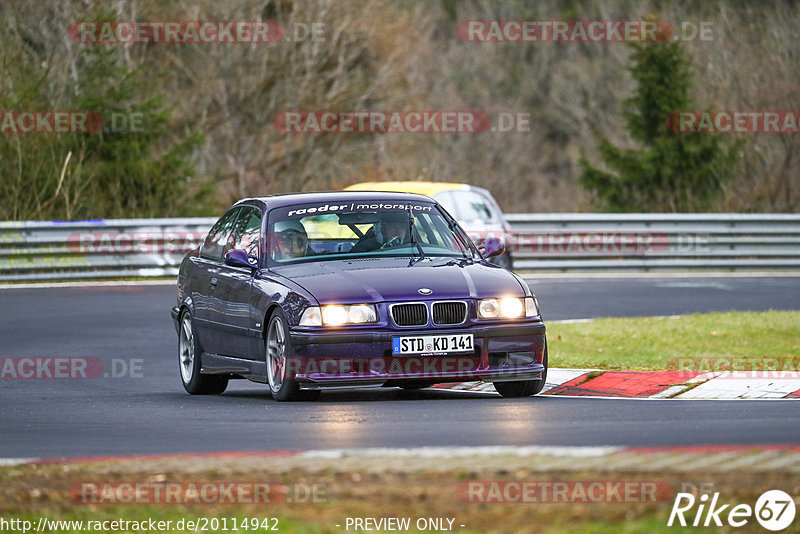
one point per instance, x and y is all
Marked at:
(216, 242)
(248, 230)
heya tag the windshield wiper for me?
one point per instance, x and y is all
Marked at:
(412, 230)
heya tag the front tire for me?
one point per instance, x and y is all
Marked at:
(189, 356)
(524, 388)
(279, 356)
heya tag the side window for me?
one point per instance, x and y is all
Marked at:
(248, 231)
(494, 208)
(217, 239)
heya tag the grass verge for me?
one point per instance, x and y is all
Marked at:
(32, 492)
(654, 343)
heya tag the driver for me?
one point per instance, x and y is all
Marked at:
(390, 231)
(290, 240)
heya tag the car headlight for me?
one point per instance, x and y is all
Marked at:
(362, 313)
(311, 317)
(507, 308)
(531, 307)
(336, 315)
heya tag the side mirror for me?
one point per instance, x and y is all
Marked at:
(492, 247)
(239, 258)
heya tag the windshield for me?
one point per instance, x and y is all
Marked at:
(346, 230)
(467, 206)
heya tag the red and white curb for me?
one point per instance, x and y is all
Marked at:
(659, 384)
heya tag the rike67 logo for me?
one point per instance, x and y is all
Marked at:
(774, 510)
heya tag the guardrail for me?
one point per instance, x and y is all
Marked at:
(655, 242)
(118, 248)
(32, 251)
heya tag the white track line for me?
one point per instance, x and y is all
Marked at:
(450, 452)
(45, 285)
(570, 451)
(11, 462)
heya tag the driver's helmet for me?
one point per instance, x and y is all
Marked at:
(286, 232)
(391, 219)
(289, 226)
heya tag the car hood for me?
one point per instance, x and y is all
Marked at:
(399, 279)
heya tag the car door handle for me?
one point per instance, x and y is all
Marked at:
(214, 282)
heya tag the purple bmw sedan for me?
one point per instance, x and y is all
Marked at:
(347, 289)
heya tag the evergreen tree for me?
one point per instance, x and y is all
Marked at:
(135, 167)
(673, 172)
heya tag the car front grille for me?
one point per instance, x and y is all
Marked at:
(449, 312)
(410, 314)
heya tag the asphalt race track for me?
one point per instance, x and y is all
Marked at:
(145, 411)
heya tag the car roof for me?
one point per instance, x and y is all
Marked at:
(424, 188)
(289, 199)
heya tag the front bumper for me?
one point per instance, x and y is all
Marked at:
(503, 352)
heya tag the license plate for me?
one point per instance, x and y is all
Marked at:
(432, 344)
